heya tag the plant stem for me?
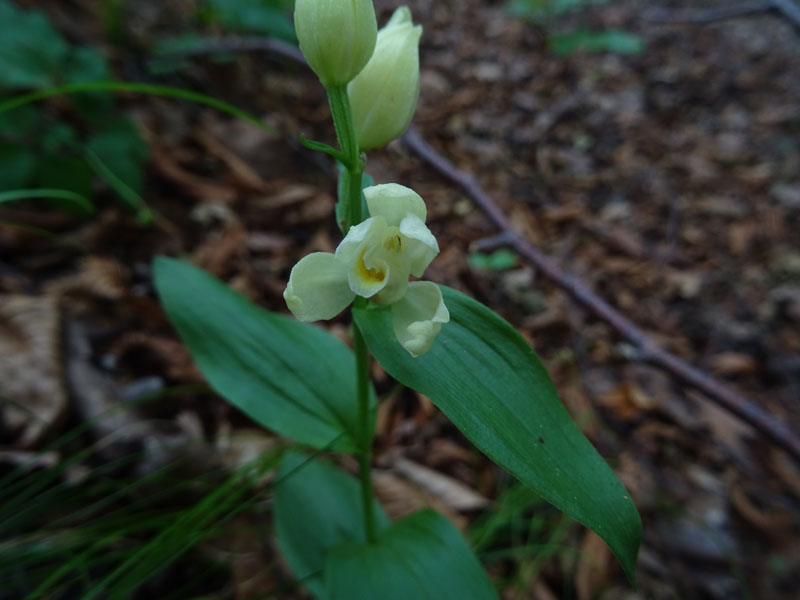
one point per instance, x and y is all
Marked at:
(354, 165)
(353, 174)
(365, 431)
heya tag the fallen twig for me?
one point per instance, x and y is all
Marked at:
(235, 43)
(647, 349)
(788, 8)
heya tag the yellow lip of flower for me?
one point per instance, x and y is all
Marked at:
(369, 275)
(375, 260)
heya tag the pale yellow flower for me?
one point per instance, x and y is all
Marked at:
(375, 260)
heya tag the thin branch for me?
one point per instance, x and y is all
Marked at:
(707, 15)
(235, 43)
(788, 8)
(648, 349)
(760, 420)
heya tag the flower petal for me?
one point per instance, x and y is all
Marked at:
(393, 202)
(318, 287)
(421, 246)
(366, 270)
(365, 233)
(417, 318)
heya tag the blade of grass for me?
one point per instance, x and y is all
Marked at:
(139, 88)
(134, 201)
(71, 198)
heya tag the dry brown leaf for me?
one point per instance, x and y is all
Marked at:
(725, 428)
(242, 446)
(243, 174)
(97, 277)
(734, 363)
(762, 514)
(787, 470)
(194, 186)
(178, 362)
(453, 493)
(401, 497)
(34, 397)
(289, 195)
(218, 252)
(627, 400)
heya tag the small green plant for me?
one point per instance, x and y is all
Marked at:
(546, 12)
(264, 17)
(88, 141)
(75, 526)
(302, 382)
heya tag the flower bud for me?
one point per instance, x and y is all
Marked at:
(384, 94)
(337, 37)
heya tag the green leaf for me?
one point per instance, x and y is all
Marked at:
(257, 16)
(17, 164)
(122, 150)
(290, 377)
(422, 556)
(31, 51)
(62, 171)
(20, 126)
(65, 198)
(139, 88)
(612, 40)
(170, 55)
(317, 507)
(541, 9)
(87, 65)
(486, 378)
(498, 260)
(125, 192)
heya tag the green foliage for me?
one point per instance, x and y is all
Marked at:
(317, 507)
(126, 86)
(546, 12)
(420, 556)
(290, 377)
(80, 528)
(486, 378)
(32, 53)
(499, 260)
(611, 40)
(523, 529)
(265, 17)
(68, 200)
(542, 9)
(115, 154)
(42, 152)
(269, 18)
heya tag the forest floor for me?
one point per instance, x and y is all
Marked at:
(667, 180)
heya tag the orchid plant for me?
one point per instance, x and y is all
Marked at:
(301, 382)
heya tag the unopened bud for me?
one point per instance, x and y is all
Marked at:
(337, 37)
(384, 95)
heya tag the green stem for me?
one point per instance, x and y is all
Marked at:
(365, 431)
(348, 142)
(354, 171)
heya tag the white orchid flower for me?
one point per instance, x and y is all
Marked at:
(375, 260)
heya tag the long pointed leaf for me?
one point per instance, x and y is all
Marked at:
(487, 379)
